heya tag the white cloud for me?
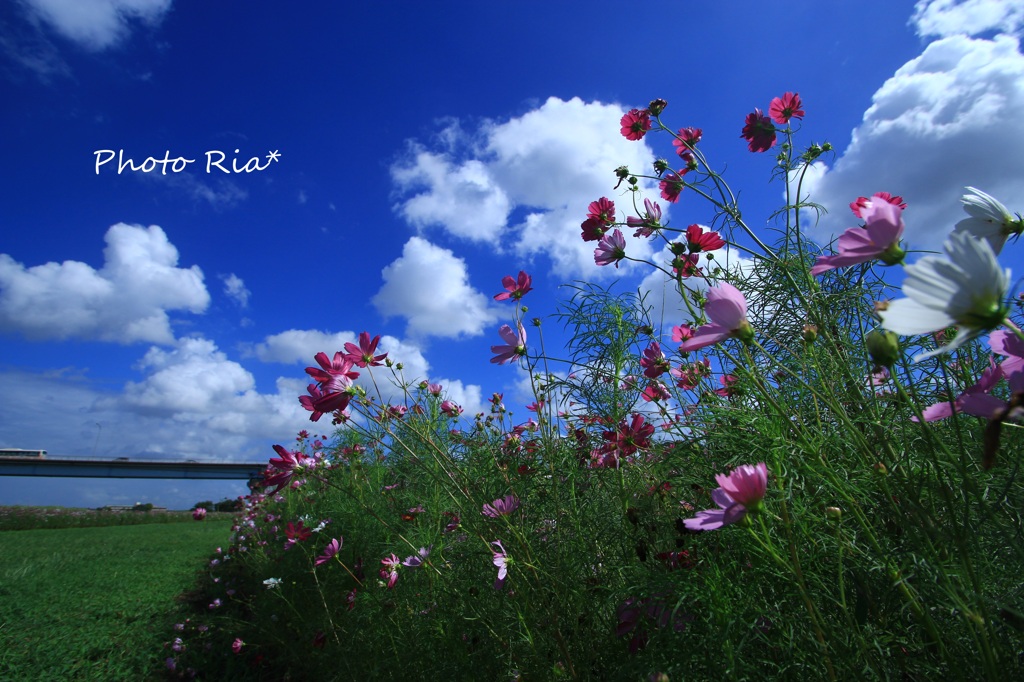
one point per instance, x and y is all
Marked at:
(98, 24)
(945, 120)
(967, 17)
(548, 164)
(125, 302)
(429, 287)
(234, 288)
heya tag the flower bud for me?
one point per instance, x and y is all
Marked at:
(833, 513)
(536, 322)
(657, 106)
(744, 332)
(810, 333)
(883, 347)
(881, 469)
(660, 166)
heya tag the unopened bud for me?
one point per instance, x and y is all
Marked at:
(810, 333)
(833, 513)
(881, 469)
(744, 332)
(660, 166)
(536, 322)
(883, 347)
(657, 106)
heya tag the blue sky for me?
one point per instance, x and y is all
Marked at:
(425, 151)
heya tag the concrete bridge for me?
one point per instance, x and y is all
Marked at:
(123, 467)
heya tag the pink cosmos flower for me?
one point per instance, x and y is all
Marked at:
(198, 513)
(501, 507)
(603, 210)
(515, 344)
(363, 354)
(635, 124)
(649, 223)
(786, 107)
(515, 289)
(330, 370)
(655, 392)
(281, 469)
(686, 266)
(698, 240)
(416, 560)
(611, 249)
(451, 409)
(758, 132)
(879, 238)
(739, 492)
(989, 378)
(687, 140)
(863, 202)
(320, 403)
(237, 645)
(626, 439)
(333, 547)
(654, 361)
(728, 382)
(688, 378)
(1010, 345)
(390, 570)
(681, 332)
(727, 309)
(502, 561)
(671, 186)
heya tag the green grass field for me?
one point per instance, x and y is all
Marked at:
(95, 603)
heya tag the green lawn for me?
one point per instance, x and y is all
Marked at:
(95, 603)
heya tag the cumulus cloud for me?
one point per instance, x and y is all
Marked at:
(234, 288)
(968, 17)
(429, 287)
(525, 184)
(126, 301)
(98, 24)
(945, 120)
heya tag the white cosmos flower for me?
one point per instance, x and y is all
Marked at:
(967, 290)
(271, 583)
(989, 219)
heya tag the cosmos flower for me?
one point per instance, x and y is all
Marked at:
(967, 290)
(515, 289)
(363, 354)
(727, 310)
(501, 507)
(786, 107)
(878, 239)
(333, 547)
(739, 492)
(635, 124)
(989, 219)
(611, 249)
(758, 132)
(515, 345)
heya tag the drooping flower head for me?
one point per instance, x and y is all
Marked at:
(501, 507)
(654, 361)
(758, 132)
(611, 249)
(635, 124)
(671, 186)
(989, 220)
(502, 561)
(739, 492)
(333, 547)
(727, 309)
(515, 289)
(967, 290)
(786, 107)
(697, 240)
(878, 239)
(649, 223)
(687, 139)
(515, 344)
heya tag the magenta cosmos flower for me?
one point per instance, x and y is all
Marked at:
(611, 249)
(635, 124)
(515, 345)
(727, 310)
(687, 139)
(786, 107)
(198, 513)
(864, 202)
(333, 547)
(697, 240)
(671, 186)
(600, 216)
(758, 132)
(649, 223)
(501, 507)
(281, 469)
(739, 492)
(363, 354)
(515, 289)
(878, 239)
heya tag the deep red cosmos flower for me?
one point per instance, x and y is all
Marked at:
(758, 132)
